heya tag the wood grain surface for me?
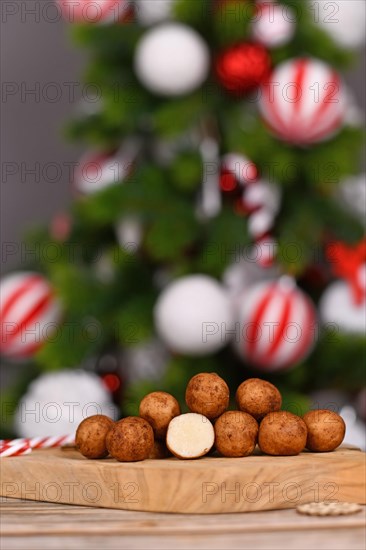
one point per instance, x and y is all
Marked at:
(27, 525)
(211, 485)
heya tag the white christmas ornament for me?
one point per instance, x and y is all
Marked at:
(30, 314)
(172, 60)
(56, 403)
(97, 171)
(129, 233)
(274, 24)
(304, 101)
(352, 194)
(338, 308)
(150, 12)
(104, 267)
(193, 315)
(277, 325)
(354, 115)
(355, 428)
(145, 361)
(343, 20)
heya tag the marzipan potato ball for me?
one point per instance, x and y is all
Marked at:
(159, 408)
(207, 394)
(326, 430)
(130, 439)
(190, 436)
(91, 435)
(258, 397)
(235, 434)
(282, 433)
(159, 450)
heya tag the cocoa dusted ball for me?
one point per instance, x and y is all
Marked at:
(91, 436)
(159, 408)
(207, 394)
(235, 434)
(190, 436)
(130, 439)
(326, 430)
(282, 434)
(159, 450)
(258, 397)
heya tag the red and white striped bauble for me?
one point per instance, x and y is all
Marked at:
(97, 171)
(29, 312)
(95, 11)
(277, 325)
(304, 101)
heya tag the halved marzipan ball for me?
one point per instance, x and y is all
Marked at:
(190, 435)
(159, 450)
(90, 438)
(159, 408)
(258, 397)
(326, 430)
(208, 394)
(130, 439)
(282, 434)
(235, 434)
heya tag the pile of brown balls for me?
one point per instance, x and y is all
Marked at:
(162, 431)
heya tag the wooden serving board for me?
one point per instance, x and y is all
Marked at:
(211, 485)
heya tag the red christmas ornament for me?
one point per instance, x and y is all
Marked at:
(347, 263)
(243, 67)
(61, 226)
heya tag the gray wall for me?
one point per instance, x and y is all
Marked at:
(37, 53)
(34, 54)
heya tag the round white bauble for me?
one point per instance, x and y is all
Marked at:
(274, 24)
(150, 12)
(56, 403)
(344, 21)
(193, 315)
(352, 193)
(355, 428)
(337, 307)
(98, 171)
(145, 361)
(354, 115)
(171, 60)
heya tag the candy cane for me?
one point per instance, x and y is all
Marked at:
(18, 449)
(261, 200)
(41, 442)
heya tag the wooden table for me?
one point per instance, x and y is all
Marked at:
(34, 525)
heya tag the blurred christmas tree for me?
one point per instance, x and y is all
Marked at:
(223, 167)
